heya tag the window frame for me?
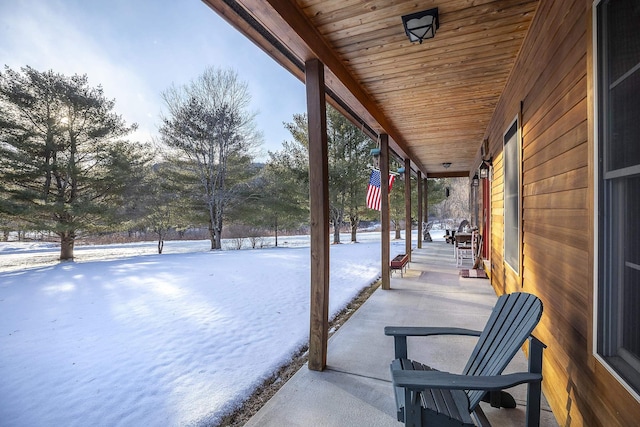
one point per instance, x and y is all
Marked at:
(515, 123)
(607, 295)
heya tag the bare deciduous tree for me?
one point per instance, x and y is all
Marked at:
(208, 124)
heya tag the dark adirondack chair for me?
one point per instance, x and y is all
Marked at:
(427, 397)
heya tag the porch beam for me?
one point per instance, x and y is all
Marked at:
(319, 205)
(407, 206)
(385, 223)
(452, 174)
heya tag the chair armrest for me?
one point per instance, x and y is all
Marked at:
(419, 331)
(400, 334)
(420, 380)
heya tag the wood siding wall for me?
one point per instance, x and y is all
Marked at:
(553, 80)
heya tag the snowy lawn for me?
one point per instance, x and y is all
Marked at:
(176, 339)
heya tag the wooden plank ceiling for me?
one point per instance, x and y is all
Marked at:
(434, 99)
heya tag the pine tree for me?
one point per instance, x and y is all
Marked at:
(64, 164)
(348, 152)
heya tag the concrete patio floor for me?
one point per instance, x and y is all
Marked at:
(355, 389)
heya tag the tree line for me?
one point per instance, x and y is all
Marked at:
(68, 167)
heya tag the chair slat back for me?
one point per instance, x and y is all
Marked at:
(513, 319)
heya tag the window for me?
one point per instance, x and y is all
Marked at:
(618, 78)
(512, 230)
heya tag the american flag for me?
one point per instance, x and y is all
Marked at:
(373, 191)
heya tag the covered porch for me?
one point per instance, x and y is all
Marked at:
(427, 105)
(517, 91)
(355, 388)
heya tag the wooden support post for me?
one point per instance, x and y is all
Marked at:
(407, 207)
(420, 223)
(426, 200)
(319, 205)
(385, 222)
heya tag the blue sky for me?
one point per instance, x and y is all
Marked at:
(137, 48)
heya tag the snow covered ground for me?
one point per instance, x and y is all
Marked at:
(127, 337)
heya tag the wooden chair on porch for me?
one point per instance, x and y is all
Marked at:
(464, 247)
(427, 397)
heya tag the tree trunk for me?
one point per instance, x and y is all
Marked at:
(216, 239)
(336, 233)
(212, 238)
(67, 241)
(160, 244)
(276, 229)
(219, 238)
(336, 219)
(397, 226)
(217, 228)
(355, 221)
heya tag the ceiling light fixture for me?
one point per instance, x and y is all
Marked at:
(420, 26)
